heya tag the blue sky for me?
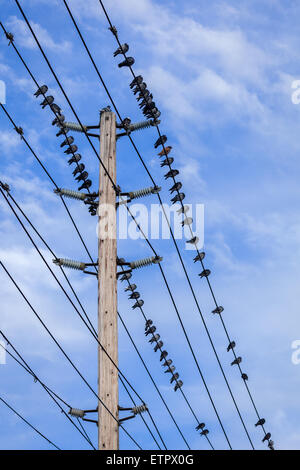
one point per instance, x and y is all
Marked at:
(222, 73)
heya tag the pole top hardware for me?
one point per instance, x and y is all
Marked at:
(136, 410)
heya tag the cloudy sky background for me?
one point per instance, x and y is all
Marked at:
(222, 74)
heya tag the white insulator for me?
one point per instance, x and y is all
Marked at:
(71, 194)
(137, 410)
(144, 192)
(69, 263)
(145, 262)
(76, 412)
(137, 126)
(73, 126)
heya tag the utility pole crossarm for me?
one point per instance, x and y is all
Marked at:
(108, 428)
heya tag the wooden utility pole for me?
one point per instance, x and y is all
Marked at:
(108, 429)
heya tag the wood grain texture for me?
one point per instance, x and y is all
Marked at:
(108, 429)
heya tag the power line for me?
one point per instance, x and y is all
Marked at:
(191, 232)
(65, 354)
(50, 175)
(93, 333)
(50, 392)
(173, 238)
(30, 425)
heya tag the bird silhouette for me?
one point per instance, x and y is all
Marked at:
(199, 257)
(131, 288)
(126, 277)
(154, 338)
(237, 361)
(58, 120)
(165, 151)
(161, 141)
(67, 141)
(78, 169)
(85, 185)
(260, 422)
(171, 174)
(138, 304)
(75, 159)
(170, 369)
(158, 346)
(205, 273)
(167, 161)
(174, 377)
(176, 187)
(134, 295)
(193, 241)
(148, 323)
(218, 310)
(122, 49)
(266, 437)
(71, 149)
(167, 363)
(178, 385)
(200, 426)
(150, 330)
(231, 345)
(163, 355)
(179, 197)
(41, 91)
(55, 108)
(82, 177)
(47, 101)
(136, 80)
(128, 62)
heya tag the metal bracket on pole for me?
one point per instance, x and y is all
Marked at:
(136, 410)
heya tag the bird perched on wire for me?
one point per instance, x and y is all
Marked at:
(67, 141)
(204, 273)
(165, 151)
(58, 121)
(10, 37)
(75, 159)
(271, 445)
(237, 361)
(174, 377)
(85, 185)
(183, 210)
(150, 330)
(231, 345)
(128, 62)
(71, 149)
(167, 161)
(122, 49)
(136, 80)
(161, 141)
(134, 295)
(200, 426)
(144, 95)
(266, 437)
(171, 174)
(154, 338)
(55, 108)
(163, 355)
(62, 131)
(158, 346)
(187, 221)
(260, 422)
(193, 241)
(204, 432)
(178, 385)
(19, 131)
(148, 324)
(78, 169)
(245, 377)
(179, 197)
(176, 187)
(146, 99)
(218, 310)
(126, 277)
(41, 91)
(47, 101)
(139, 88)
(131, 288)
(199, 257)
(167, 363)
(170, 369)
(82, 177)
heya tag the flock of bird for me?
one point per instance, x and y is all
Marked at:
(80, 175)
(150, 110)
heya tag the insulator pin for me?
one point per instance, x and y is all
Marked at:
(71, 194)
(137, 410)
(77, 413)
(145, 262)
(144, 192)
(69, 263)
(73, 126)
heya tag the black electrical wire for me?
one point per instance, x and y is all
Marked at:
(175, 243)
(30, 425)
(95, 333)
(66, 294)
(152, 380)
(50, 392)
(183, 394)
(66, 355)
(182, 205)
